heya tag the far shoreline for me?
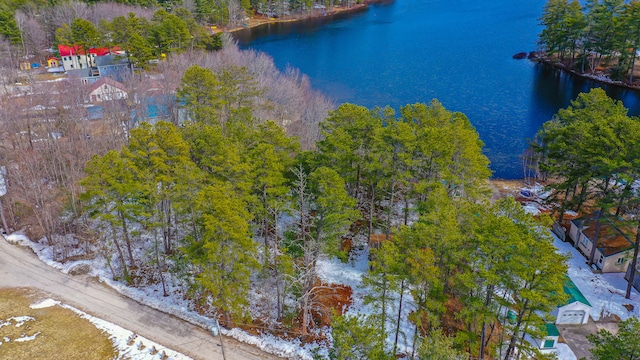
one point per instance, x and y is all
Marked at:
(261, 20)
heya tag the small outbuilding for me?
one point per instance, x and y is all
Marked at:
(551, 340)
(576, 310)
(52, 62)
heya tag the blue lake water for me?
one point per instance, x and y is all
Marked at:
(457, 51)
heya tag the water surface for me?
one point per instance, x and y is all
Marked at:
(458, 51)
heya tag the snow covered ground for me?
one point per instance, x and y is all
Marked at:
(563, 352)
(334, 271)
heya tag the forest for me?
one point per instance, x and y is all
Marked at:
(593, 36)
(233, 200)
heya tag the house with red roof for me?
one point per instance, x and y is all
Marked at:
(107, 89)
(74, 57)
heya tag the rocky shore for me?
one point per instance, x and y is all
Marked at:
(599, 76)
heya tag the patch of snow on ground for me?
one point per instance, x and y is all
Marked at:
(605, 292)
(532, 209)
(141, 349)
(334, 271)
(562, 352)
(44, 304)
(20, 320)
(271, 344)
(27, 338)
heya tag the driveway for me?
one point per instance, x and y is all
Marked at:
(576, 336)
(19, 267)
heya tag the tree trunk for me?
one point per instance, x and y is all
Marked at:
(158, 267)
(516, 330)
(126, 237)
(4, 220)
(594, 241)
(395, 342)
(633, 265)
(372, 201)
(391, 206)
(124, 262)
(483, 335)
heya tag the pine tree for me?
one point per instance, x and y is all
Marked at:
(114, 195)
(225, 253)
(357, 337)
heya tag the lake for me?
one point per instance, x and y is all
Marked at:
(457, 51)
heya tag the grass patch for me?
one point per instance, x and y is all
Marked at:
(54, 332)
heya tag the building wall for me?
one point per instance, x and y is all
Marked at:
(584, 244)
(574, 306)
(107, 92)
(574, 234)
(617, 263)
(75, 62)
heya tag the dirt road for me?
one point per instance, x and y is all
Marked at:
(19, 267)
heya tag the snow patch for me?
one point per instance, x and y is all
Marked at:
(562, 351)
(27, 338)
(44, 304)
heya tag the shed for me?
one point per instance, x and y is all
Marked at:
(52, 62)
(576, 309)
(551, 340)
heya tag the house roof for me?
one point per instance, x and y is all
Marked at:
(552, 330)
(52, 58)
(574, 293)
(69, 50)
(105, 80)
(611, 239)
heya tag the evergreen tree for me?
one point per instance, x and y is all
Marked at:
(197, 96)
(357, 337)
(438, 346)
(224, 253)
(623, 345)
(114, 195)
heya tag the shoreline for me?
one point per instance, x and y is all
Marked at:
(260, 20)
(599, 78)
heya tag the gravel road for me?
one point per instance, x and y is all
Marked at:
(19, 267)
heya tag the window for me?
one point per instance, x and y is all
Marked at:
(600, 260)
(621, 261)
(585, 241)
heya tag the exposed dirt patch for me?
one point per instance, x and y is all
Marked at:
(504, 188)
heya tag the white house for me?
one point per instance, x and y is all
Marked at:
(75, 58)
(613, 250)
(107, 89)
